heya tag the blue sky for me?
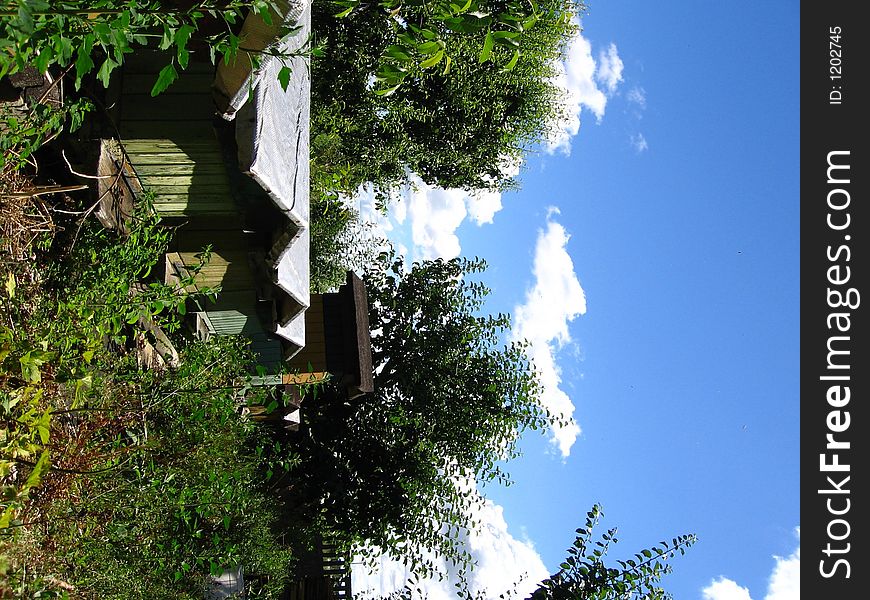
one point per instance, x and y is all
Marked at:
(651, 257)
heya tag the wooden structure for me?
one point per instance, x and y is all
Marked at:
(338, 340)
(324, 574)
(225, 152)
(220, 167)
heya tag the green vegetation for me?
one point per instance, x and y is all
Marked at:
(76, 35)
(450, 401)
(125, 480)
(154, 475)
(585, 576)
(458, 127)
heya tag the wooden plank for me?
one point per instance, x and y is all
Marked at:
(221, 257)
(188, 180)
(160, 159)
(196, 203)
(181, 210)
(197, 197)
(181, 168)
(142, 83)
(166, 130)
(213, 192)
(166, 108)
(178, 210)
(210, 222)
(152, 61)
(303, 378)
(218, 277)
(188, 239)
(176, 144)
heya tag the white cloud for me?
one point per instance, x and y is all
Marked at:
(555, 299)
(577, 76)
(637, 96)
(426, 218)
(609, 68)
(435, 215)
(502, 563)
(639, 143)
(483, 205)
(784, 582)
(725, 589)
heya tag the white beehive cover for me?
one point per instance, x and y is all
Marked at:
(272, 131)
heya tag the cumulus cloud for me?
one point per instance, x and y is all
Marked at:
(435, 215)
(610, 67)
(725, 589)
(425, 219)
(785, 581)
(502, 563)
(783, 584)
(579, 77)
(555, 299)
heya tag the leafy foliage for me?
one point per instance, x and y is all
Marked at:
(585, 576)
(457, 128)
(22, 135)
(72, 33)
(154, 475)
(396, 468)
(340, 240)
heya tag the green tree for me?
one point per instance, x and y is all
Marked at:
(394, 468)
(584, 575)
(455, 124)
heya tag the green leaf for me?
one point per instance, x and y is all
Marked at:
(84, 63)
(63, 47)
(6, 518)
(513, 61)
(167, 75)
(103, 33)
(35, 476)
(10, 285)
(284, 77)
(105, 71)
(344, 13)
(183, 58)
(45, 58)
(428, 47)
(487, 48)
(386, 92)
(83, 384)
(432, 60)
(168, 37)
(398, 53)
(181, 38)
